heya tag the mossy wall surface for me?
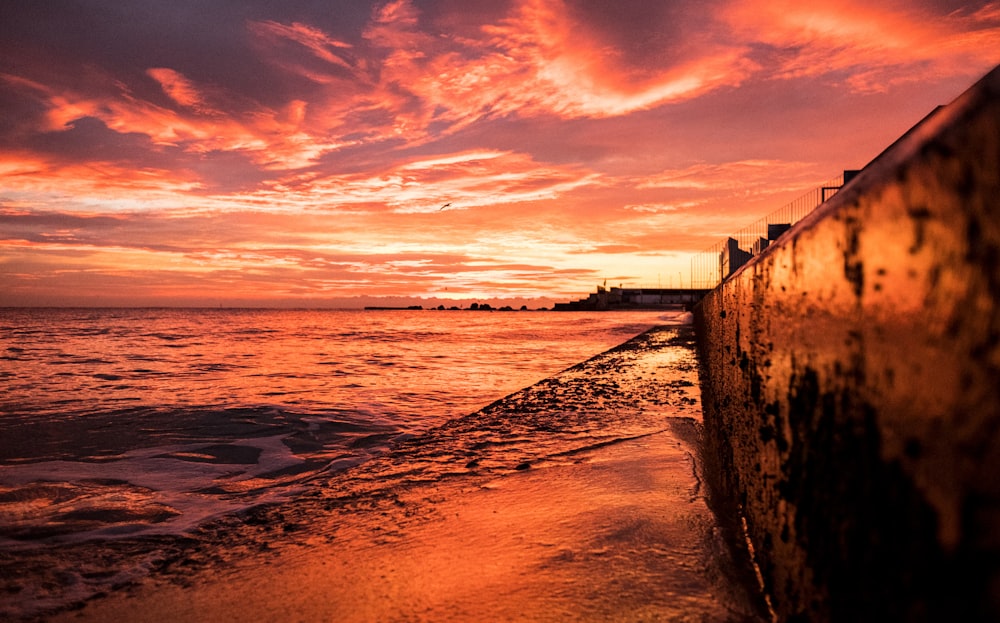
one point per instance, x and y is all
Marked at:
(851, 386)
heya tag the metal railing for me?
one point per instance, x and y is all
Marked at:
(711, 266)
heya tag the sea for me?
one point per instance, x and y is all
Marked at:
(144, 423)
(106, 415)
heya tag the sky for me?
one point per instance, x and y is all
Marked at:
(343, 152)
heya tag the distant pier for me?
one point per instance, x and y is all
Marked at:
(621, 298)
(389, 308)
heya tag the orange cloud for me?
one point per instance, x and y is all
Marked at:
(880, 44)
(274, 139)
(466, 180)
(580, 138)
(537, 61)
(245, 256)
(316, 41)
(578, 75)
(743, 176)
(29, 179)
(179, 88)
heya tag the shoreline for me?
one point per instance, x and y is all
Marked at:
(526, 510)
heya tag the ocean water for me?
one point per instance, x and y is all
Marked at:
(168, 447)
(125, 423)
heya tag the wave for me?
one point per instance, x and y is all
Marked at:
(105, 493)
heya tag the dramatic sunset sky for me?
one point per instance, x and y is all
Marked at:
(248, 152)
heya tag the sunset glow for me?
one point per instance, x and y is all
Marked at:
(272, 154)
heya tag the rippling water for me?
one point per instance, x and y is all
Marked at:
(123, 422)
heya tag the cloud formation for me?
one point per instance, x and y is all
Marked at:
(253, 151)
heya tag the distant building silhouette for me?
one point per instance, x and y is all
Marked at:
(732, 257)
(774, 230)
(759, 245)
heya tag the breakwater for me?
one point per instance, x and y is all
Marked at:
(851, 386)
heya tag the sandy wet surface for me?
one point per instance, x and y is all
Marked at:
(576, 499)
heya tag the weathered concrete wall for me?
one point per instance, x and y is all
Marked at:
(851, 386)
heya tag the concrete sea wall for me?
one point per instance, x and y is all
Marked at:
(851, 386)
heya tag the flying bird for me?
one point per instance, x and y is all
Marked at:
(444, 206)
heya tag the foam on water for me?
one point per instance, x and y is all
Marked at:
(119, 425)
(162, 490)
(109, 491)
(129, 422)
